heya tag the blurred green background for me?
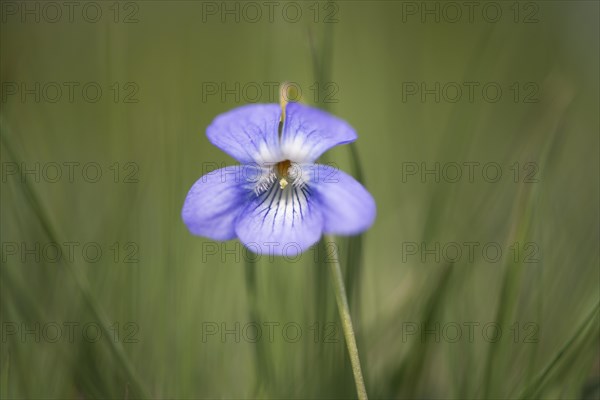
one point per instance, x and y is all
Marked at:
(160, 313)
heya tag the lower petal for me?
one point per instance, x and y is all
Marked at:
(215, 201)
(283, 222)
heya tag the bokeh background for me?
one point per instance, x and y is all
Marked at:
(159, 313)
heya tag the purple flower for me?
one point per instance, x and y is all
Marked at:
(278, 201)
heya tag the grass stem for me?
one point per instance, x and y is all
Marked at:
(344, 310)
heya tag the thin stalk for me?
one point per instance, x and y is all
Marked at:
(534, 389)
(344, 310)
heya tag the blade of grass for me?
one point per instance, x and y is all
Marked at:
(5, 376)
(263, 368)
(81, 281)
(457, 120)
(511, 281)
(537, 386)
(547, 125)
(344, 310)
(411, 369)
(322, 71)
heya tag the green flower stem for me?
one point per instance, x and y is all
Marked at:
(344, 310)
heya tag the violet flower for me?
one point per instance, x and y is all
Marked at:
(278, 202)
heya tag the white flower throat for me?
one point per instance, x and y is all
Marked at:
(284, 173)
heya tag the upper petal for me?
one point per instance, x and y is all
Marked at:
(248, 133)
(215, 201)
(308, 132)
(280, 222)
(347, 207)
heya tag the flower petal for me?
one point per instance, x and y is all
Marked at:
(248, 133)
(308, 132)
(215, 201)
(347, 207)
(280, 222)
